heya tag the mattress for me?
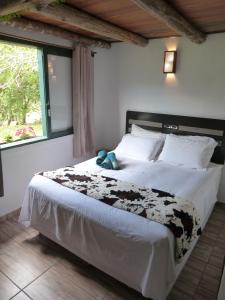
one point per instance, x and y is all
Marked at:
(132, 249)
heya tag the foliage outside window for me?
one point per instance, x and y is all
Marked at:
(20, 106)
(25, 88)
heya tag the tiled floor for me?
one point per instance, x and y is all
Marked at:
(32, 267)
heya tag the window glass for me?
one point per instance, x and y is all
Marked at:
(60, 92)
(20, 100)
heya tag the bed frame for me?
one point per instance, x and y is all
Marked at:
(182, 125)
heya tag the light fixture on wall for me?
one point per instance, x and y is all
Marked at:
(170, 59)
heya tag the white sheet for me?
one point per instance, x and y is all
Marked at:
(132, 249)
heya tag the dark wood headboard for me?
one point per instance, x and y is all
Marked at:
(182, 125)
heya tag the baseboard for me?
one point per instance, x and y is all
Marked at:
(11, 215)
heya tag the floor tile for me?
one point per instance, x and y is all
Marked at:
(213, 271)
(57, 284)
(20, 265)
(204, 294)
(196, 264)
(21, 296)
(209, 283)
(49, 272)
(178, 295)
(7, 288)
(202, 251)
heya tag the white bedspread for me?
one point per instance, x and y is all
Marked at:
(132, 249)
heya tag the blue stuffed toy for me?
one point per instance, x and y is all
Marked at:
(107, 160)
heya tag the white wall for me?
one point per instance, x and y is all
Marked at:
(135, 77)
(106, 98)
(20, 164)
(198, 88)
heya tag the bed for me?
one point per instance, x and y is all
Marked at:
(132, 249)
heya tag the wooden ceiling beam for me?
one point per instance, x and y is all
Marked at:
(65, 14)
(169, 15)
(9, 7)
(35, 26)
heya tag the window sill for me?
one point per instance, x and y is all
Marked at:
(22, 143)
(33, 141)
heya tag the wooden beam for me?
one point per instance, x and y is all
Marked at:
(35, 26)
(169, 15)
(64, 14)
(9, 7)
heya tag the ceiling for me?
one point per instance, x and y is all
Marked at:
(206, 15)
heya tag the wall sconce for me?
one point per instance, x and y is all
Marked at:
(170, 60)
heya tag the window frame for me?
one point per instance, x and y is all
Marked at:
(57, 52)
(44, 51)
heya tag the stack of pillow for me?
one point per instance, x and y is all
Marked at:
(146, 145)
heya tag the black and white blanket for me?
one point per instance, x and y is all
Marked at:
(177, 214)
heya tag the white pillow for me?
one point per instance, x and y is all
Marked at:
(138, 147)
(189, 151)
(138, 131)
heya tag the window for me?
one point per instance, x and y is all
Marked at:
(59, 92)
(20, 106)
(35, 92)
(60, 73)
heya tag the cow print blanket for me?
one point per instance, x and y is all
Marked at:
(178, 215)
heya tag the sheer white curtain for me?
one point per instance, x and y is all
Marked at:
(83, 102)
